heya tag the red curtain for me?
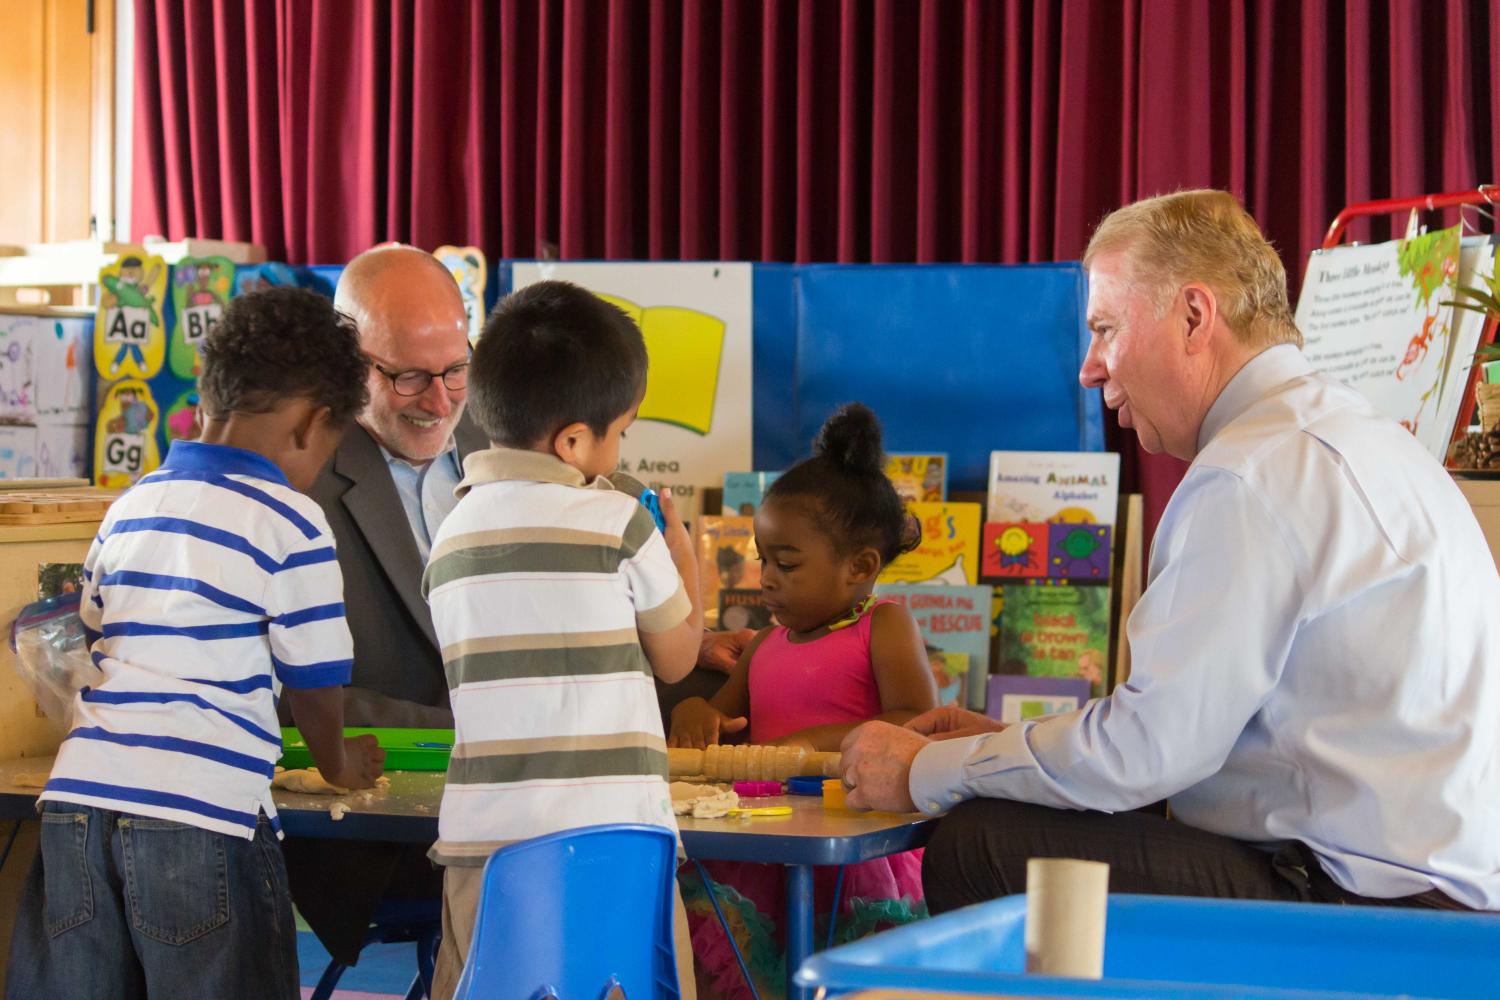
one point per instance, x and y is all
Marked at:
(808, 130)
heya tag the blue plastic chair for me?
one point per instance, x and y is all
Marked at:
(574, 915)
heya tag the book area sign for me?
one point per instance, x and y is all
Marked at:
(695, 420)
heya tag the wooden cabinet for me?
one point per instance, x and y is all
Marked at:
(1484, 497)
(56, 119)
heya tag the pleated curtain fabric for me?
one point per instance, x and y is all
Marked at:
(795, 130)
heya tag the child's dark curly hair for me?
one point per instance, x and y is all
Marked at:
(846, 489)
(280, 343)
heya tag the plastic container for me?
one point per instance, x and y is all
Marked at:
(804, 784)
(757, 789)
(405, 749)
(1160, 946)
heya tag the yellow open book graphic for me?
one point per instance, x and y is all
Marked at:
(685, 347)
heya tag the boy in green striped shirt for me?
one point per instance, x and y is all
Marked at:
(555, 600)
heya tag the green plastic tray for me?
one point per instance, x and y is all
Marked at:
(405, 749)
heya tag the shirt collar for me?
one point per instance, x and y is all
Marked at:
(495, 464)
(1262, 373)
(222, 459)
(395, 461)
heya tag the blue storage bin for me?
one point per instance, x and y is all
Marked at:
(1163, 946)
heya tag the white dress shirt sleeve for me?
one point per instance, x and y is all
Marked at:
(1208, 643)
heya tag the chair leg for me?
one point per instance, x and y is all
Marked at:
(421, 984)
(328, 981)
(708, 884)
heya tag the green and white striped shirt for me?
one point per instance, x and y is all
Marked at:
(539, 586)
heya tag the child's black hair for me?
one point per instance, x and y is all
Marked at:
(850, 497)
(553, 354)
(282, 343)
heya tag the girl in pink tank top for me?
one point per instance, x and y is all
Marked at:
(836, 657)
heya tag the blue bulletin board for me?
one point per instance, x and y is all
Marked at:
(962, 359)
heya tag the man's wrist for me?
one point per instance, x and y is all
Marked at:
(936, 781)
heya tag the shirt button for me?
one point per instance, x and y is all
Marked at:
(954, 796)
(933, 806)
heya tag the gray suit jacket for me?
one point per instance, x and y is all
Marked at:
(398, 671)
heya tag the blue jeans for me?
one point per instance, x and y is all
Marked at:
(119, 907)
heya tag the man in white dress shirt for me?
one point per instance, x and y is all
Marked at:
(1315, 683)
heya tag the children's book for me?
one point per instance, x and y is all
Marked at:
(1068, 486)
(1056, 630)
(743, 491)
(1014, 698)
(1380, 318)
(918, 478)
(953, 620)
(1014, 551)
(727, 560)
(949, 550)
(742, 607)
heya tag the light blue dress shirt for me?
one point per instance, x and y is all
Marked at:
(1316, 656)
(426, 493)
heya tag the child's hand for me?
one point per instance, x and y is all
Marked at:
(364, 761)
(678, 542)
(697, 724)
(951, 722)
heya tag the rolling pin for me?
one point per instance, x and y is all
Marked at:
(751, 763)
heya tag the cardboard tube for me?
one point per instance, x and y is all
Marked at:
(1065, 904)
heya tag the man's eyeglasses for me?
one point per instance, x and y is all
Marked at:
(414, 381)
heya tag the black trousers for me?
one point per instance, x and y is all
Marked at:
(336, 885)
(980, 851)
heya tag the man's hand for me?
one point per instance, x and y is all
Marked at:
(721, 650)
(951, 722)
(697, 724)
(876, 766)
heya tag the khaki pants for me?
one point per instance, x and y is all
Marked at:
(461, 907)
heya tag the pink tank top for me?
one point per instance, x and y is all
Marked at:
(826, 681)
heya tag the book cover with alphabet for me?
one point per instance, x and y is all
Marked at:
(130, 333)
(1075, 487)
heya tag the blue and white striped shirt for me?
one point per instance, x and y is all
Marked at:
(212, 583)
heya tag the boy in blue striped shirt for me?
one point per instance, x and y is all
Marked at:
(211, 588)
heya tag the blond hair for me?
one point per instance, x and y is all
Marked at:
(1205, 236)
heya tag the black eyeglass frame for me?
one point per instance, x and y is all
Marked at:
(395, 377)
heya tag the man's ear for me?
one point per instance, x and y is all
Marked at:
(568, 443)
(312, 419)
(863, 565)
(1201, 309)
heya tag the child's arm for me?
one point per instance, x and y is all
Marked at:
(903, 677)
(697, 722)
(312, 654)
(319, 712)
(674, 651)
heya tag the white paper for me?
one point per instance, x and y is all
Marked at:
(1364, 322)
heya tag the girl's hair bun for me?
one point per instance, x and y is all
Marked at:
(851, 438)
